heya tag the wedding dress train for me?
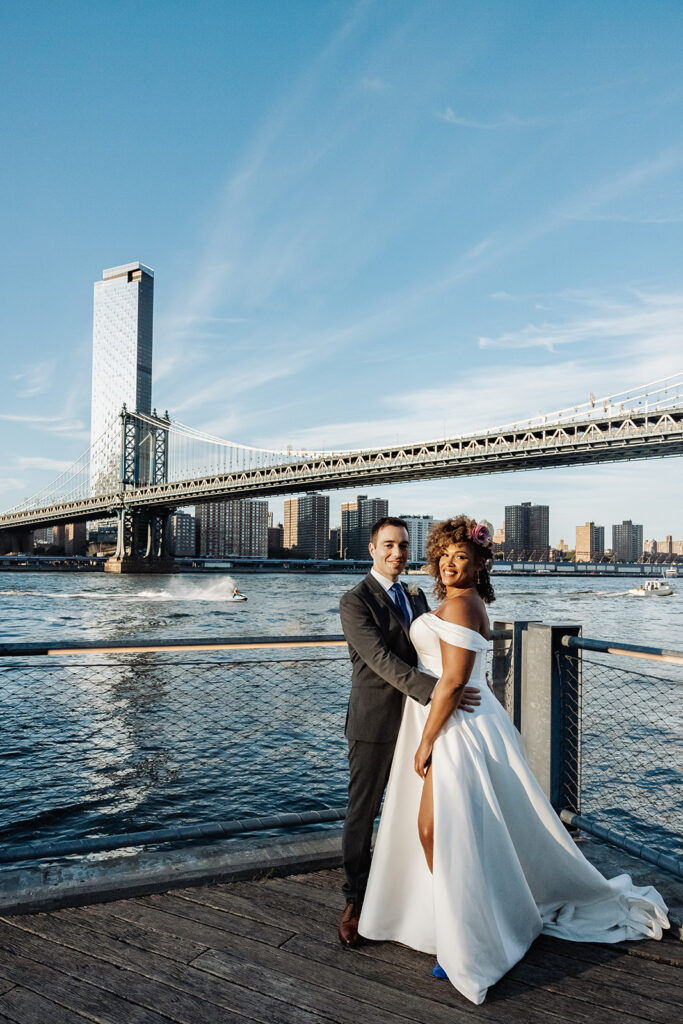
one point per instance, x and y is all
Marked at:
(505, 868)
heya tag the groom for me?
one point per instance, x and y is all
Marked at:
(376, 617)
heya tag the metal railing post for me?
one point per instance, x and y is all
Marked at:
(551, 725)
(506, 666)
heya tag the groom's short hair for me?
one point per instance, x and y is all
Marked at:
(387, 521)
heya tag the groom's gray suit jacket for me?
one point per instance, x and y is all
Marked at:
(383, 659)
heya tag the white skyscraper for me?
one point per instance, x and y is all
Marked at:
(121, 362)
(418, 528)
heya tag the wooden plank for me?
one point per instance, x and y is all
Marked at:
(307, 989)
(71, 992)
(345, 998)
(666, 951)
(5, 986)
(593, 991)
(99, 919)
(411, 972)
(28, 1007)
(639, 986)
(147, 907)
(112, 949)
(615, 957)
(221, 898)
(329, 878)
(257, 919)
(293, 914)
(306, 891)
(258, 967)
(188, 994)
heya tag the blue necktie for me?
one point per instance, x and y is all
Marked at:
(401, 601)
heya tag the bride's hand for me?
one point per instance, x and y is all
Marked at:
(423, 758)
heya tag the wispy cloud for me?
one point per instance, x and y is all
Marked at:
(650, 322)
(40, 462)
(621, 350)
(34, 380)
(31, 419)
(375, 84)
(229, 386)
(66, 427)
(593, 203)
(12, 483)
(503, 121)
(295, 221)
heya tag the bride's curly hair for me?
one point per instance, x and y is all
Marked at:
(459, 531)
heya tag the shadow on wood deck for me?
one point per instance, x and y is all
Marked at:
(267, 951)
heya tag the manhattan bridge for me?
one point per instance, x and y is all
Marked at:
(162, 465)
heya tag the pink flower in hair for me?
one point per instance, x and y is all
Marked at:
(480, 534)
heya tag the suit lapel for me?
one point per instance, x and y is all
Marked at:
(382, 594)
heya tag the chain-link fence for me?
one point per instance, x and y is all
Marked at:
(622, 745)
(112, 744)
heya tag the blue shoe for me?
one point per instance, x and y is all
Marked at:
(438, 972)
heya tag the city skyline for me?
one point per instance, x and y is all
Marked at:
(397, 236)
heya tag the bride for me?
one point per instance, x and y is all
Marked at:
(471, 862)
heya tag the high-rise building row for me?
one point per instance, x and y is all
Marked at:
(527, 531)
(180, 535)
(335, 542)
(291, 524)
(418, 528)
(668, 546)
(307, 524)
(627, 541)
(72, 538)
(233, 527)
(358, 518)
(123, 320)
(590, 542)
(276, 537)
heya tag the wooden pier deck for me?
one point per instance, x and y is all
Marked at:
(267, 951)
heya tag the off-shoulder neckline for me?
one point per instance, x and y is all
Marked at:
(458, 626)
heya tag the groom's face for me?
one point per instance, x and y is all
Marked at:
(390, 551)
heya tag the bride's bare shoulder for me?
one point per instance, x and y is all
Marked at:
(464, 610)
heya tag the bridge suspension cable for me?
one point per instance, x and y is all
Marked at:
(189, 453)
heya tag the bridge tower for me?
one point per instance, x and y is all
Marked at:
(141, 535)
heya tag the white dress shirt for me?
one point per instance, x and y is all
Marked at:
(388, 584)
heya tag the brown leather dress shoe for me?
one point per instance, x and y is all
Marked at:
(347, 929)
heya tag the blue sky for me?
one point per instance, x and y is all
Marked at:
(369, 222)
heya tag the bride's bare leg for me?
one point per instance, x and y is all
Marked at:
(425, 819)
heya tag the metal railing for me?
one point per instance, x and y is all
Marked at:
(602, 731)
(104, 746)
(115, 745)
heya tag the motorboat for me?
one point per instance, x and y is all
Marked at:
(238, 597)
(653, 588)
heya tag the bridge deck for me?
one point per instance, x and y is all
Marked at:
(267, 951)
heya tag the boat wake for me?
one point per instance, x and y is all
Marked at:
(190, 590)
(176, 590)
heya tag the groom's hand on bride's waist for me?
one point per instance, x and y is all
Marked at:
(471, 699)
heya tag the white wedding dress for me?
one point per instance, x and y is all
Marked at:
(505, 868)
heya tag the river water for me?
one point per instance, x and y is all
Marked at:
(101, 744)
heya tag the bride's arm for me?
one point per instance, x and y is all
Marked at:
(457, 667)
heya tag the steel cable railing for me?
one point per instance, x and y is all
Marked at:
(109, 746)
(622, 746)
